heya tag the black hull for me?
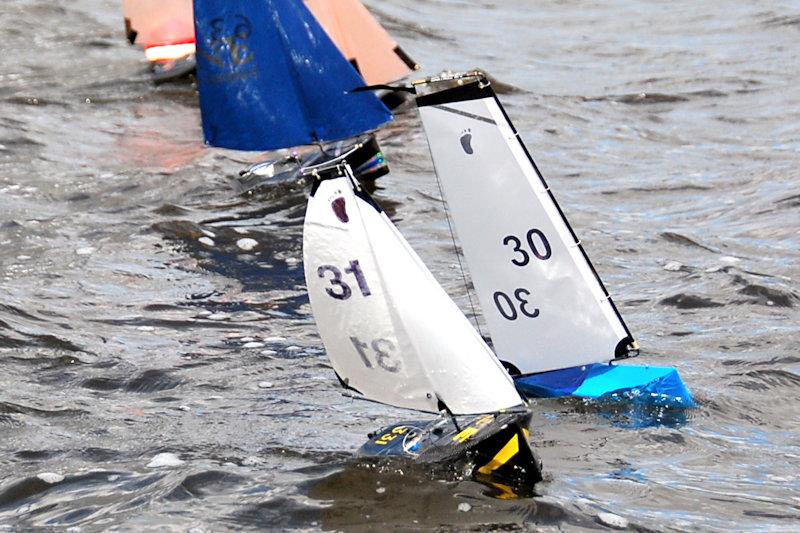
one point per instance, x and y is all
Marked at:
(494, 447)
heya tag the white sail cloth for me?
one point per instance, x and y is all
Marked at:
(390, 330)
(544, 305)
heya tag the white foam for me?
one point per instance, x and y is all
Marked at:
(612, 520)
(253, 345)
(247, 244)
(50, 477)
(165, 459)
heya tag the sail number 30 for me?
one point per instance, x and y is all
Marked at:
(537, 243)
(508, 308)
(539, 247)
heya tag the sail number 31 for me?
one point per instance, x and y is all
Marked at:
(383, 349)
(339, 289)
(539, 247)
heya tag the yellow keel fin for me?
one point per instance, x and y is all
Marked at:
(502, 457)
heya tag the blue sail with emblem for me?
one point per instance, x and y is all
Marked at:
(269, 77)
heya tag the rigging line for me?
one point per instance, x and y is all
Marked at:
(458, 256)
(446, 410)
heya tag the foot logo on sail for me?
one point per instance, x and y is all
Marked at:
(339, 210)
(466, 141)
(227, 46)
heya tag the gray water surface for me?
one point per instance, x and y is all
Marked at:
(670, 133)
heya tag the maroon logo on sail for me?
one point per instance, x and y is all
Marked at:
(339, 210)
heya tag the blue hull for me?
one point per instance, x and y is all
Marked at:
(647, 385)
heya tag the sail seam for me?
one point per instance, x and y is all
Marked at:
(465, 114)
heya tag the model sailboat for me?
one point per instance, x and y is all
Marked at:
(394, 336)
(552, 322)
(269, 77)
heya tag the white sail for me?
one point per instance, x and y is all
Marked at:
(544, 304)
(390, 330)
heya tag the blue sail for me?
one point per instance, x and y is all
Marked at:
(270, 77)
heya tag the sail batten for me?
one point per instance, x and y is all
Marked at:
(544, 304)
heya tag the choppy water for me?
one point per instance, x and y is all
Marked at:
(671, 135)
